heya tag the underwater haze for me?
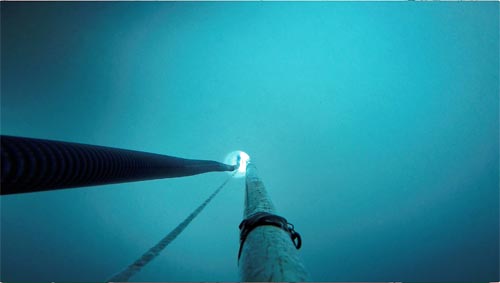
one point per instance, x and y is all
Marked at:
(374, 126)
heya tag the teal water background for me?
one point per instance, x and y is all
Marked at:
(374, 127)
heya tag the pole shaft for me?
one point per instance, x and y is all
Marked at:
(268, 253)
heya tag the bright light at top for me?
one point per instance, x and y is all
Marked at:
(232, 158)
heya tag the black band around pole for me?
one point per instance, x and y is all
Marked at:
(265, 218)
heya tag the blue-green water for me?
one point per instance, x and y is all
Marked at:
(374, 127)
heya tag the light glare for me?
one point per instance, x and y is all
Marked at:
(232, 158)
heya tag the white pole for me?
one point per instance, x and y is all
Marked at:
(268, 253)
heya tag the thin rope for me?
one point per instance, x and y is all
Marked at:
(148, 256)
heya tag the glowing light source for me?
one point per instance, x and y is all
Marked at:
(232, 158)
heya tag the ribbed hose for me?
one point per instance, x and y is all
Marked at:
(32, 165)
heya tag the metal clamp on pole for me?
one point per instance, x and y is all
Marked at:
(264, 218)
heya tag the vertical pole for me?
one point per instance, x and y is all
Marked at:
(268, 253)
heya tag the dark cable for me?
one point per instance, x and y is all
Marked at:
(34, 165)
(147, 257)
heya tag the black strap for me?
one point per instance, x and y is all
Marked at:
(264, 218)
